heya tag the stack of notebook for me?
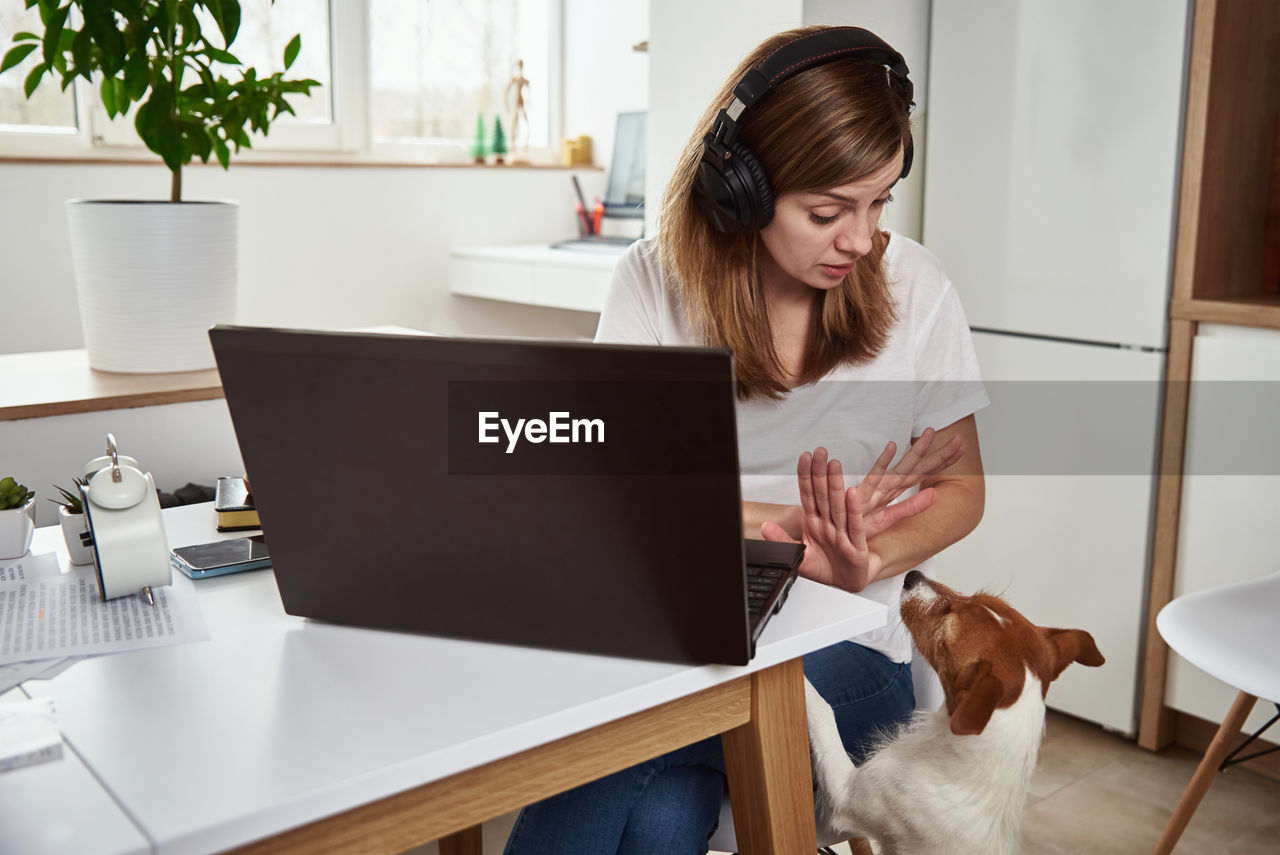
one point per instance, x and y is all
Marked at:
(234, 505)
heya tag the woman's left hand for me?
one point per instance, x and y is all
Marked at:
(837, 523)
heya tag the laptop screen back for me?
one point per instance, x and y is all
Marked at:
(573, 496)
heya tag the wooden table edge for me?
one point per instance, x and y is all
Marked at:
(760, 716)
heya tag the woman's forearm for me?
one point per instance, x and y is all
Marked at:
(756, 514)
(956, 512)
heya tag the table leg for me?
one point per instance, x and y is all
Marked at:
(469, 841)
(767, 760)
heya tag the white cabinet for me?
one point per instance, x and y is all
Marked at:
(1065, 535)
(1227, 531)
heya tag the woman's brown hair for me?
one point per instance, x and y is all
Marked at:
(827, 126)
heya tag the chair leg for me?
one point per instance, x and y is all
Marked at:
(1205, 772)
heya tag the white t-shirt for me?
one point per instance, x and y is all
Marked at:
(926, 376)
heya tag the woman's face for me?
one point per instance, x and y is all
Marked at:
(814, 238)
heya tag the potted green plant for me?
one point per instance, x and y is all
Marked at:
(152, 277)
(71, 519)
(17, 518)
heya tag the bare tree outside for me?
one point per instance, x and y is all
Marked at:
(439, 64)
(50, 109)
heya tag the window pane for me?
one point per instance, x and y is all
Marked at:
(265, 30)
(50, 109)
(436, 66)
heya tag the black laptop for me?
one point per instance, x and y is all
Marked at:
(574, 496)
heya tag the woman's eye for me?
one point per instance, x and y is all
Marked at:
(880, 203)
(823, 221)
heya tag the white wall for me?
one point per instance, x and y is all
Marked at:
(603, 75)
(318, 246)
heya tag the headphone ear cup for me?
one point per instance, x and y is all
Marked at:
(714, 194)
(733, 193)
(757, 192)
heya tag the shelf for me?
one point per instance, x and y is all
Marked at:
(58, 382)
(536, 275)
(1261, 311)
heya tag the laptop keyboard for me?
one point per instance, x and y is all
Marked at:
(767, 589)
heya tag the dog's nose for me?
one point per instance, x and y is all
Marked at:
(913, 578)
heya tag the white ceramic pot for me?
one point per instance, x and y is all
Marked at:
(16, 527)
(152, 277)
(73, 525)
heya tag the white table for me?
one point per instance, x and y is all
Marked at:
(535, 274)
(279, 722)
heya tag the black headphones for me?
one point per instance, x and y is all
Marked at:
(731, 188)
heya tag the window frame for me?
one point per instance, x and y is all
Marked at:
(346, 140)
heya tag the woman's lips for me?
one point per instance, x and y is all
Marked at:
(837, 269)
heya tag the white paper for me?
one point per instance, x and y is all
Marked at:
(28, 734)
(50, 617)
(41, 669)
(29, 567)
(20, 672)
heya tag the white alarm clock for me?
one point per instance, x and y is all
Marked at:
(130, 547)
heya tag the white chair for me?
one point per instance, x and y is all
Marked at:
(929, 696)
(1231, 632)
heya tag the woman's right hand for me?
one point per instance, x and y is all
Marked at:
(882, 485)
(838, 523)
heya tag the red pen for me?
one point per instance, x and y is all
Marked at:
(581, 207)
(597, 215)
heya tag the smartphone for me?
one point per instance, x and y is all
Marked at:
(221, 557)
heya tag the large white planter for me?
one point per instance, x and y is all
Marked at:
(16, 527)
(152, 277)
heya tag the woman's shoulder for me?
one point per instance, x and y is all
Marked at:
(915, 275)
(642, 261)
(907, 259)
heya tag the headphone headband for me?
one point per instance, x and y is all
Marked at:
(813, 49)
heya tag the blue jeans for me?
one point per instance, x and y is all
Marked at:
(671, 804)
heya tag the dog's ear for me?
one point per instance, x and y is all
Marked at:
(978, 693)
(1071, 645)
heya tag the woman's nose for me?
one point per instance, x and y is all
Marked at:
(855, 238)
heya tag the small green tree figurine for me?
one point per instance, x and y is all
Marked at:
(499, 147)
(479, 148)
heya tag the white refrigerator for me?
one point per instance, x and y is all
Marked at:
(1052, 159)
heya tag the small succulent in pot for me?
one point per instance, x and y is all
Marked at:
(17, 518)
(13, 494)
(70, 499)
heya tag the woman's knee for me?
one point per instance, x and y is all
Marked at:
(677, 812)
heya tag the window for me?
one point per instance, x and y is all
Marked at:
(400, 79)
(436, 67)
(49, 110)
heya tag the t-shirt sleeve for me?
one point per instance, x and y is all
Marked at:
(630, 313)
(949, 384)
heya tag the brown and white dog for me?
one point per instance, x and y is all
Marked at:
(955, 780)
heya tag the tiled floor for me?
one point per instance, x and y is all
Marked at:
(1095, 793)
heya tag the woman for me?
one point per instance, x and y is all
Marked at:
(844, 337)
